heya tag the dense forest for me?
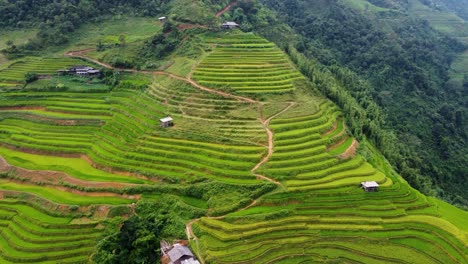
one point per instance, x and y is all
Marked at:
(388, 70)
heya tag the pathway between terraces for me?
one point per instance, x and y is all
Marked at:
(265, 123)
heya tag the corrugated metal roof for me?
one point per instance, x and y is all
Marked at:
(178, 252)
(190, 261)
(369, 184)
(166, 119)
(230, 23)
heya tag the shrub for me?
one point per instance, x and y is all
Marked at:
(30, 77)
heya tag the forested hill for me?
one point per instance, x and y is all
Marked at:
(404, 65)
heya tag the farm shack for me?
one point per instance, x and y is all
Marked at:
(229, 25)
(162, 19)
(83, 71)
(166, 122)
(178, 253)
(370, 186)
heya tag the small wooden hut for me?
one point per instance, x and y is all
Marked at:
(166, 122)
(229, 25)
(370, 186)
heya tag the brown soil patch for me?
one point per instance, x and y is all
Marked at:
(23, 108)
(101, 211)
(351, 151)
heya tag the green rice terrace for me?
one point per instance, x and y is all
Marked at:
(266, 163)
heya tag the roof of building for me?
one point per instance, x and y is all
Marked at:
(94, 71)
(81, 67)
(230, 23)
(190, 261)
(179, 251)
(369, 184)
(162, 18)
(166, 119)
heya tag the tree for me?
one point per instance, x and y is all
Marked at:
(30, 77)
(122, 40)
(137, 241)
(99, 46)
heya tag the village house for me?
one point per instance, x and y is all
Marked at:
(229, 25)
(162, 19)
(178, 253)
(370, 186)
(82, 71)
(166, 122)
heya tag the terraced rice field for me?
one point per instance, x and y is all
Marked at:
(322, 214)
(42, 66)
(71, 157)
(30, 235)
(246, 63)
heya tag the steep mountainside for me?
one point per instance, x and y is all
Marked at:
(405, 64)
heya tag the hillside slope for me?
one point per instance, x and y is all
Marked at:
(259, 167)
(319, 213)
(409, 59)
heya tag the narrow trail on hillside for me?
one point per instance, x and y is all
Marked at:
(82, 54)
(265, 123)
(226, 8)
(266, 126)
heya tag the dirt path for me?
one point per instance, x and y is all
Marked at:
(225, 9)
(265, 123)
(82, 54)
(265, 159)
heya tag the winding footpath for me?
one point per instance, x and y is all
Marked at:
(225, 9)
(265, 123)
